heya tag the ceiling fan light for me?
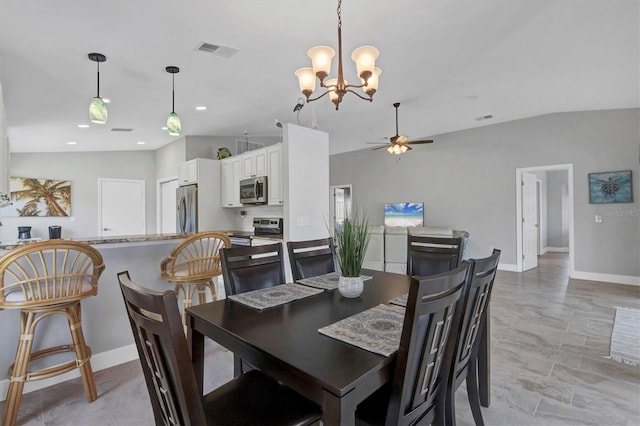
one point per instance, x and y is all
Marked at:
(372, 83)
(390, 149)
(321, 57)
(403, 148)
(174, 126)
(98, 111)
(307, 80)
(397, 150)
(365, 59)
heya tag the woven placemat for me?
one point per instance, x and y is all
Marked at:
(376, 330)
(274, 296)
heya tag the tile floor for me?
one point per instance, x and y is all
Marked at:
(550, 339)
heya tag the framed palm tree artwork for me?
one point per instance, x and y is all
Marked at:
(38, 197)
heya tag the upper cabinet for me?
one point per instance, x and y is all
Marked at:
(188, 172)
(230, 181)
(254, 163)
(274, 180)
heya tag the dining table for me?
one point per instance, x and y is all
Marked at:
(284, 342)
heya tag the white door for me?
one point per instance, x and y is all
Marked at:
(529, 222)
(121, 207)
(167, 205)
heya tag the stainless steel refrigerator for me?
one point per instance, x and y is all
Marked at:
(187, 209)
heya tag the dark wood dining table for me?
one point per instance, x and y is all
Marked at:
(284, 342)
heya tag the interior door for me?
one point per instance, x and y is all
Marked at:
(167, 204)
(121, 207)
(529, 222)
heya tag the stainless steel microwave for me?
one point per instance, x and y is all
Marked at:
(253, 190)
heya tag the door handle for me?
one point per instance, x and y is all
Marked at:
(106, 229)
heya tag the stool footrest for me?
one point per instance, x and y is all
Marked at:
(54, 370)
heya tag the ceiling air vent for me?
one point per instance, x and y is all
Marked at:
(120, 129)
(217, 50)
(484, 117)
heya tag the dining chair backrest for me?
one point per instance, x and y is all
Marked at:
(468, 326)
(164, 354)
(252, 268)
(311, 258)
(417, 386)
(432, 255)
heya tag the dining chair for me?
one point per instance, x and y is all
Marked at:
(252, 398)
(416, 393)
(252, 268)
(193, 264)
(427, 255)
(41, 280)
(469, 326)
(311, 258)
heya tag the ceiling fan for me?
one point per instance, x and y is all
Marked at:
(399, 144)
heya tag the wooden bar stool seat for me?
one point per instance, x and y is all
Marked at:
(41, 280)
(192, 266)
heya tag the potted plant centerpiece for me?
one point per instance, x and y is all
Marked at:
(351, 238)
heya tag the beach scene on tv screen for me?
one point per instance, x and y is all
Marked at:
(404, 214)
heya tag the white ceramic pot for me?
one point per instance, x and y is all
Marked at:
(350, 286)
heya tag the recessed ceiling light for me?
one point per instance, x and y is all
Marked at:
(201, 108)
(164, 128)
(471, 97)
(83, 126)
(72, 143)
(140, 142)
(106, 101)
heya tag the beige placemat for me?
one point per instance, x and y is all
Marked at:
(376, 330)
(327, 281)
(274, 296)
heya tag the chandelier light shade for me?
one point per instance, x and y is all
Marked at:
(174, 126)
(321, 57)
(97, 108)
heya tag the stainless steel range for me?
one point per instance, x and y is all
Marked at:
(267, 226)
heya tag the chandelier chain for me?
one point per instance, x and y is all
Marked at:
(339, 14)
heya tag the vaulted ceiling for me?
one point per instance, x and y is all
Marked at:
(447, 61)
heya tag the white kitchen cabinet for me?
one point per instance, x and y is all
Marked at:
(274, 181)
(254, 163)
(188, 172)
(230, 181)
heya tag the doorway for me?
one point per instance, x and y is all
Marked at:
(166, 205)
(121, 207)
(340, 204)
(528, 229)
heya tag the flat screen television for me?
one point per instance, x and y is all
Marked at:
(404, 214)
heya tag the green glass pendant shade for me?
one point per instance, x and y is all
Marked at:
(173, 124)
(98, 111)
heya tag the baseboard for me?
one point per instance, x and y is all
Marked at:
(608, 278)
(507, 267)
(99, 362)
(556, 249)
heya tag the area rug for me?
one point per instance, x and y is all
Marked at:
(625, 338)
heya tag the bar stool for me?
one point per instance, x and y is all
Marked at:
(193, 264)
(44, 279)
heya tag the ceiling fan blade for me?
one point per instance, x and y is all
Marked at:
(402, 139)
(408, 147)
(419, 142)
(377, 143)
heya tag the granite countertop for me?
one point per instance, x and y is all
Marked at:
(9, 245)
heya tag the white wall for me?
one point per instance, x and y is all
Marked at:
(466, 180)
(83, 170)
(4, 149)
(305, 154)
(557, 233)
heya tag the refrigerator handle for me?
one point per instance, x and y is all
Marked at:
(182, 212)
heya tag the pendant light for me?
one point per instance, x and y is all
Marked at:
(97, 108)
(173, 121)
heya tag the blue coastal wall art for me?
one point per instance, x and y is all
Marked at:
(404, 214)
(610, 187)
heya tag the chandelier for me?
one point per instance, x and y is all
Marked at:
(364, 57)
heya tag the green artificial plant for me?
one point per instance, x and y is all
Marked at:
(351, 238)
